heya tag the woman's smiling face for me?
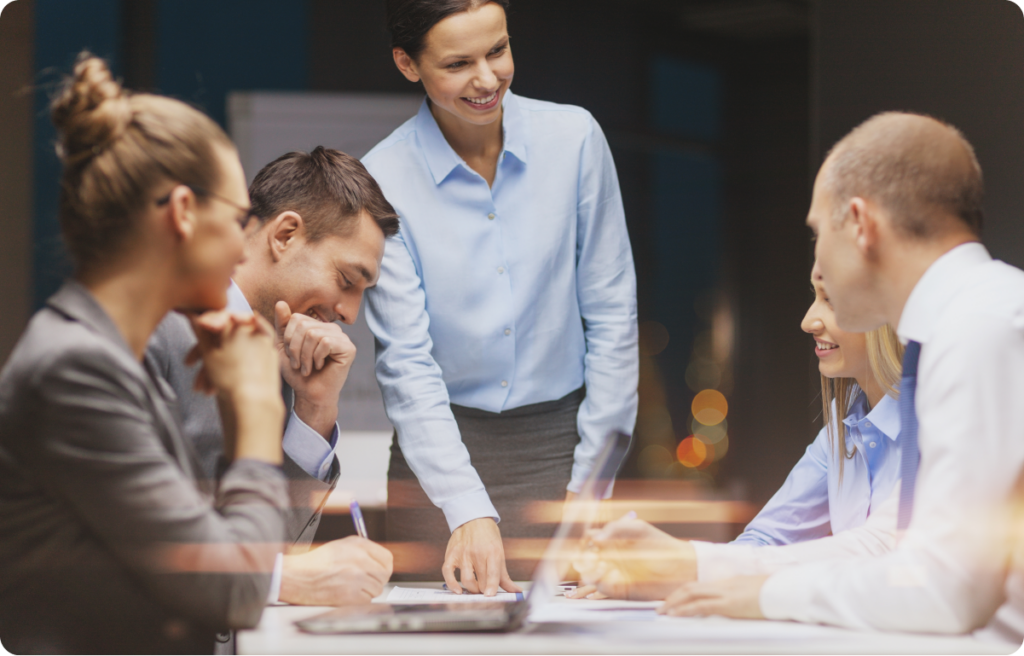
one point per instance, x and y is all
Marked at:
(466, 66)
(840, 354)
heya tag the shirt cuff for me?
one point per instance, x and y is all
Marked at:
(786, 595)
(467, 507)
(273, 596)
(579, 476)
(308, 449)
(723, 561)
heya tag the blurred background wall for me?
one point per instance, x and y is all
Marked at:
(718, 113)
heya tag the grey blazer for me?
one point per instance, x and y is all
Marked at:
(166, 352)
(107, 543)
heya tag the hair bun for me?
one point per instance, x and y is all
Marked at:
(91, 111)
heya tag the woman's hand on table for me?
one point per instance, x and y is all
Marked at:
(738, 597)
(475, 549)
(630, 559)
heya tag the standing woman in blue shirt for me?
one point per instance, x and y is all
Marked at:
(505, 315)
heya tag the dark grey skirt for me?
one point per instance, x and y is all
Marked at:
(522, 455)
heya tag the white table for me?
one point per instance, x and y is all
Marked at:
(277, 634)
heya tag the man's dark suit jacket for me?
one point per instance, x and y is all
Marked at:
(167, 349)
(107, 544)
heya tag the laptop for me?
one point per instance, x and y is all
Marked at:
(488, 616)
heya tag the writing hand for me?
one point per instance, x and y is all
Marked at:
(342, 572)
(630, 559)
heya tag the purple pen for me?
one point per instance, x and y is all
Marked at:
(357, 519)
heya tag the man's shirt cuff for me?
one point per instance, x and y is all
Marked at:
(273, 596)
(308, 449)
(787, 594)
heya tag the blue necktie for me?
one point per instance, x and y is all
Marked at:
(908, 435)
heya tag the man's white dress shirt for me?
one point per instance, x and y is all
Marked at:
(306, 447)
(946, 573)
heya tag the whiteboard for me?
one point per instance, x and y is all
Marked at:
(267, 124)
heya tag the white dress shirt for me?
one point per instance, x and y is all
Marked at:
(946, 574)
(495, 297)
(815, 502)
(307, 448)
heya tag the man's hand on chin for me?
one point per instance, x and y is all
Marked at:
(475, 549)
(315, 360)
(342, 572)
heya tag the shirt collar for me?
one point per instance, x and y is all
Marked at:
(442, 158)
(236, 300)
(885, 416)
(934, 290)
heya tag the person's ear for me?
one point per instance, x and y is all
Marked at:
(406, 64)
(181, 212)
(283, 233)
(863, 221)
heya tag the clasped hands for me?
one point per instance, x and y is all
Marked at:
(630, 559)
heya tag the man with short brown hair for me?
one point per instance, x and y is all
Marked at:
(315, 247)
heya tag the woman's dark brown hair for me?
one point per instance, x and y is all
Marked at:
(116, 148)
(409, 20)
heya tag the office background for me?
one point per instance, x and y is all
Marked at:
(718, 113)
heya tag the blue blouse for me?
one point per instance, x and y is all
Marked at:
(812, 503)
(496, 297)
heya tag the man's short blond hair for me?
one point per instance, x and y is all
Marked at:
(920, 169)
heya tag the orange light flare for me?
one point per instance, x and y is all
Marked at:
(693, 452)
(710, 407)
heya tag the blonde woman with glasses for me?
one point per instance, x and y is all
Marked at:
(846, 476)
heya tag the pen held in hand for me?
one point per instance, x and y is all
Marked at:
(357, 520)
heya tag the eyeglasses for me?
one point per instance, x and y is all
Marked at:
(243, 220)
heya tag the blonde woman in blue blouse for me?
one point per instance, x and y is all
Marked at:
(846, 477)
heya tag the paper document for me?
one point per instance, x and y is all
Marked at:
(434, 596)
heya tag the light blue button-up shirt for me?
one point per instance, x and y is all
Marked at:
(306, 447)
(502, 296)
(813, 503)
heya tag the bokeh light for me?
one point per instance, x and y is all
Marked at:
(653, 338)
(710, 407)
(702, 374)
(691, 452)
(710, 434)
(653, 460)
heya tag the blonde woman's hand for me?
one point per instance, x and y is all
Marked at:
(630, 559)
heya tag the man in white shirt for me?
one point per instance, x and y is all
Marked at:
(315, 244)
(897, 215)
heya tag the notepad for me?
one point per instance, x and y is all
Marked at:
(400, 595)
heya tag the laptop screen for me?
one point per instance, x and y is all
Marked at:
(579, 516)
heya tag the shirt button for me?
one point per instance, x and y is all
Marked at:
(867, 424)
(872, 445)
(508, 331)
(490, 216)
(504, 383)
(501, 269)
